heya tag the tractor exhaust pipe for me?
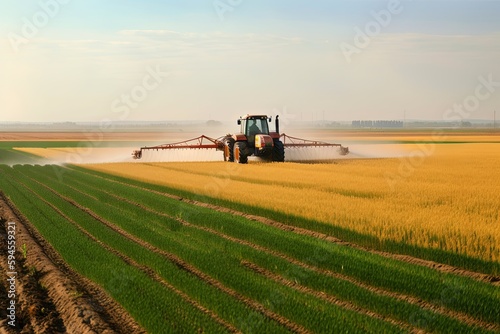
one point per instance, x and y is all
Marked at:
(277, 124)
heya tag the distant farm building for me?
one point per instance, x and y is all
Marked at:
(377, 124)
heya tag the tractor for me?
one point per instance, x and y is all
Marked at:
(255, 139)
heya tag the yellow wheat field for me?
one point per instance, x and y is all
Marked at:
(441, 196)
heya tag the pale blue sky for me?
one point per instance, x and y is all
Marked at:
(90, 60)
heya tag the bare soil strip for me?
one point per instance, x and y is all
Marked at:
(34, 310)
(406, 298)
(79, 304)
(492, 279)
(185, 266)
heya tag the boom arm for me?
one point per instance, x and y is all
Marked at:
(293, 142)
(219, 143)
(195, 143)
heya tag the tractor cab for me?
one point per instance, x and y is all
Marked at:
(254, 139)
(254, 125)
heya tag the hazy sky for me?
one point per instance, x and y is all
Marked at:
(90, 60)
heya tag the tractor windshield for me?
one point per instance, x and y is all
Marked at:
(257, 126)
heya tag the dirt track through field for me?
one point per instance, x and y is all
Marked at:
(79, 305)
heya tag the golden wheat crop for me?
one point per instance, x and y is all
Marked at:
(440, 196)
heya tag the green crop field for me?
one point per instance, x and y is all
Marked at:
(180, 266)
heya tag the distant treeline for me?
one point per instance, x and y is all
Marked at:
(377, 124)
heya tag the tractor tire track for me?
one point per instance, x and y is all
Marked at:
(441, 267)
(285, 322)
(462, 317)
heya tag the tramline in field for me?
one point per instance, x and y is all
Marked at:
(254, 139)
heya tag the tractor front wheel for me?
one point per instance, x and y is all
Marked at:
(240, 149)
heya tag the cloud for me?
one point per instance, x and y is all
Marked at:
(229, 71)
(430, 43)
(211, 38)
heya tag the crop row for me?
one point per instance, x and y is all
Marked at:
(478, 299)
(9, 156)
(223, 264)
(131, 280)
(132, 288)
(125, 208)
(222, 259)
(433, 211)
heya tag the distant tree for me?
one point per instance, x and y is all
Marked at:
(213, 123)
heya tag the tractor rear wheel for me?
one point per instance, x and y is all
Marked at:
(240, 149)
(278, 151)
(229, 149)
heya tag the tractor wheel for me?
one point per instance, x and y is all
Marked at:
(229, 149)
(240, 149)
(278, 151)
